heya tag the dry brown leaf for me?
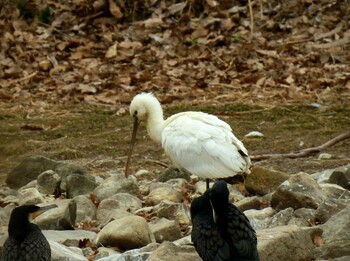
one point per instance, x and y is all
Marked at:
(115, 10)
(112, 51)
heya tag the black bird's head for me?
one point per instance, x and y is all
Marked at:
(21, 216)
(219, 197)
(200, 204)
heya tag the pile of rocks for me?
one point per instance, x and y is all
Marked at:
(297, 217)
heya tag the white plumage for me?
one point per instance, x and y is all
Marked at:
(199, 142)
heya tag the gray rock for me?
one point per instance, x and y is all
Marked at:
(302, 217)
(60, 218)
(335, 192)
(341, 177)
(260, 219)
(299, 191)
(77, 184)
(336, 233)
(263, 181)
(165, 230)
(140, 254)
(127, 202)
(164, 193)
(49, 182)
(5, 214)
(249, 203)
(106, 252)
(174, 211)
(179, 183)
(69, 237)
(281, 218)
(327, 209)
(117, 206)
(6, 191)
(174, 173)
(30, 196)
(324, 176)
(125, 233)
(60, 252)
(106, 215)
(170, 251)
(86, 210)
(28, 170)
(285, 243)
(116, 184)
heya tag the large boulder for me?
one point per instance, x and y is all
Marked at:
(286, 243)
(336, 234)
(125, 233)
(263, 180)
(30, 168)
(299, 191)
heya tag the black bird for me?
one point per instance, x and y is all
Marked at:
(220, 231)
(26, 242)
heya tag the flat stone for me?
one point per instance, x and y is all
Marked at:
(69, 237)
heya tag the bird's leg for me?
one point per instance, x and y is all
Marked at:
(207, 180)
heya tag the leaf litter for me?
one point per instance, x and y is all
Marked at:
(104, 52)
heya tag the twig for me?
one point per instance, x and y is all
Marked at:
(251, 19)
(305, 152)
(158, 162)
(333, 44)
(329, 33)
(25, 78)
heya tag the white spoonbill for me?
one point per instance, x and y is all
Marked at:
(199, 142)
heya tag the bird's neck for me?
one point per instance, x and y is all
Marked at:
(155, 124)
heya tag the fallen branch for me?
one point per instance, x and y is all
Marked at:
(305, 152)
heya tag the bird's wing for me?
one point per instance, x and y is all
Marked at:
(204, 145)
(242, 234)
(209, 244)
(37, 247)
(10, 250)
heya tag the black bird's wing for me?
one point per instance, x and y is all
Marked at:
(208, 241)
(34, 247)
(242, 234)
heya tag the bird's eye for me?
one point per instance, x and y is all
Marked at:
(135, 114)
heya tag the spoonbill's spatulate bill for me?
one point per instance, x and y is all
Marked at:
(199, 142)
(26, 241)
(220, 231)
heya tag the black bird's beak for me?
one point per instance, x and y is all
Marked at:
(133, 138)
(42, 210)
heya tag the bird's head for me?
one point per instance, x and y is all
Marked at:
(141, 104)
(22, 215)
(142, 107)
(219, 197)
